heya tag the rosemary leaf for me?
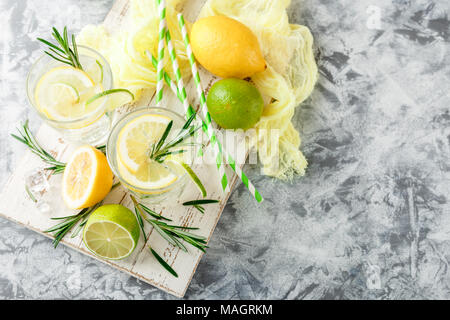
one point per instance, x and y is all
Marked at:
(180, 245)
(163, 234)
(164, 136)
(189, 121)
(162, 149)
(197, 204)
(199, 208)
(30, 194)
(163, 262)
(141, 223)
(199, 201)
(78, 228)
(190, 235)
(50, 44)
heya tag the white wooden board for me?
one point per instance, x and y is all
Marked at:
(17, 206)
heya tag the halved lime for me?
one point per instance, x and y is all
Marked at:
(111, 232)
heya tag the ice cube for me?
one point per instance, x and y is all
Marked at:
(37, 183)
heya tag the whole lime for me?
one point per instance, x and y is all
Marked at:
(111, 232)
(235, 104)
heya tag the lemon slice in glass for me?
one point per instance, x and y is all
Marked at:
(150, 175)
(133, 153)
(62, 92)
(136, 138)
(111, 232)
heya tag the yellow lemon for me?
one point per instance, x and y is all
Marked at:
(87, 178)
(226, 47)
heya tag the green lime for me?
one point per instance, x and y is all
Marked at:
(111, 232)
(235, 104)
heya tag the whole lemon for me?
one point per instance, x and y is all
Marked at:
(235, 104)
(226, 47)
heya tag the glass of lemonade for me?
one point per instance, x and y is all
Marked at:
(129, 146)
(60, 94)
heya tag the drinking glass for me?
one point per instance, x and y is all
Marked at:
(168, 193)
(92, 127)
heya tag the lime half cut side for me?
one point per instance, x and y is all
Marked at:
(112, 232)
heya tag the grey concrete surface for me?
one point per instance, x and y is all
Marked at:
(371, 218)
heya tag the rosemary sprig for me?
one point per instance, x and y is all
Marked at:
(172, 233)
(147, 210)
(61, 51)
(197, 204)
(141, 223)
(162, 149)
(60, 229)
(26, 137)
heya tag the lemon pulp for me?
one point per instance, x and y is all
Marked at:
(87, 178)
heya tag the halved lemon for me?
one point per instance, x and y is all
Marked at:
(87, 178)
(61, 93)
(134, 144)
(111, 232)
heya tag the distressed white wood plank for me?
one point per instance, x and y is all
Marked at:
(17, 206)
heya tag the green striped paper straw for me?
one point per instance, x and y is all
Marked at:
(161, 4)
(209, 130)
(204, 108)
(231, 161)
